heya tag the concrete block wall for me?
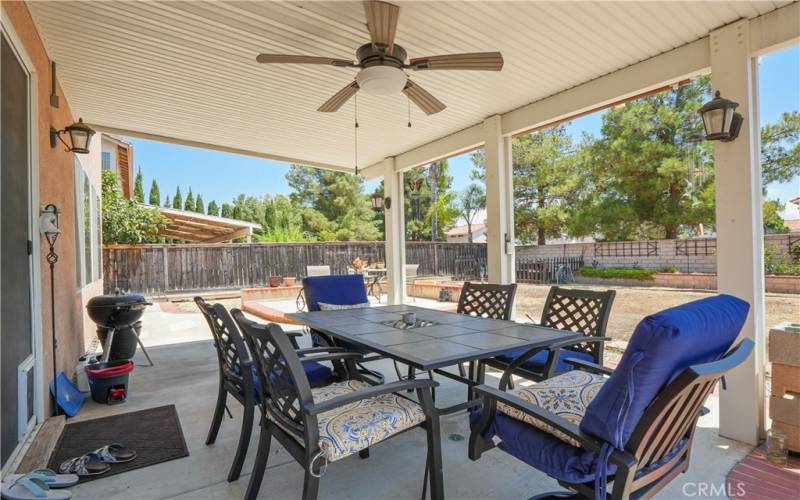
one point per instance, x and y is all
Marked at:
(618, 254)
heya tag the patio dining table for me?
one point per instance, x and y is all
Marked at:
(438, 339)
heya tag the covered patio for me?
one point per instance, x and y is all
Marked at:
(186, 73)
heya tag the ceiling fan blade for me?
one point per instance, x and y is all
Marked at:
(339, 98)
(382, 22)
(478, 61)
(423, 99)
(295, 59)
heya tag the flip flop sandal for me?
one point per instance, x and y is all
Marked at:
(49, 477)
(115, 453)
(86, 465)
(29, 487)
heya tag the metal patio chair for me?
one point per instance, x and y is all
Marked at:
(583, 311)
(237, 377)
(321, 426)
(486, 300)
(631, 427)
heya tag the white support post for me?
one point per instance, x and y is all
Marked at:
(740, 266)
(499, 203)
(394, 223)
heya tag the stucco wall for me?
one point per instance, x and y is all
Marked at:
(56, 185)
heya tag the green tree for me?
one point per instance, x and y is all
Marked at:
(773, 222)
(545, 183)
(188, 205)
(124, 221)
(645, 177)
(427, 208)
(332, 204)
(213, 208)
(282, 222)
(199, 207)
(470, 203)
(177, 200)
(167, 203)
(138, 187)
(780, 149)
(227, 210)
(155, 195)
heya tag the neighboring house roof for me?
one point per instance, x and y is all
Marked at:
(462, 230)
(201, 228)
(795, 201)
(116, 139)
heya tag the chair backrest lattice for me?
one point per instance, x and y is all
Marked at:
(279, 371)
(487, 300)
(228, 343)
(583, 311)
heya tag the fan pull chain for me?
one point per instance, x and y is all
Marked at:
(355, 103)
(408, 100)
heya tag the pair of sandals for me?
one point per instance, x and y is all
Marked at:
(98, 461)
(38, 484)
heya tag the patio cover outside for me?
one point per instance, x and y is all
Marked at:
(201, 228)
(174, 62)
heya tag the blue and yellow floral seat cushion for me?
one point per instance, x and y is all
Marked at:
(347, 430)
(565, 395)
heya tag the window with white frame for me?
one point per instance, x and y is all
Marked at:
(87, 228)
(105, 160)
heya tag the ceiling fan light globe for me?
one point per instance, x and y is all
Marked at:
(381, 80)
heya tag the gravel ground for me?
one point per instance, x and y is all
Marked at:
(633, 304)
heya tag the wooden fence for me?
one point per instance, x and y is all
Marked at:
(162, 269)
(545, 271)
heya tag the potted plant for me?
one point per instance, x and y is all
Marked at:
(289, 280)
(274, 281)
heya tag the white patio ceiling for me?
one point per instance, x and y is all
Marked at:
(186, 71)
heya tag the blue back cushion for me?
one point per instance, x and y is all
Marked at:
(662, 346)
(346, 289)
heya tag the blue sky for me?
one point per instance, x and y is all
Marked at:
(202, 170)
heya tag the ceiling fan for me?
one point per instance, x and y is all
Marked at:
(383, 62)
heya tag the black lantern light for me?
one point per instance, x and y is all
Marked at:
(720, 119)
(79, 136)
(379, 202)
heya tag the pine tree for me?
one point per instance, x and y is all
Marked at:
(177, 200)
(213, 208)
(188, 205)
(199, 207)
(167, 202)
(227, 210)
(138, 187)
(155, 195)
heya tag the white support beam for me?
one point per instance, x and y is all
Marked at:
(451, 145)
(394, 223)
(740, 266)
(499, 203)
(775, 30)
(217, 147)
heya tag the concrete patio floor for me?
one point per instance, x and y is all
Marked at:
(185, 374)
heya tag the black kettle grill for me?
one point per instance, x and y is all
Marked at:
(118, 326)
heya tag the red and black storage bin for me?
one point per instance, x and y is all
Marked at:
(109, 381)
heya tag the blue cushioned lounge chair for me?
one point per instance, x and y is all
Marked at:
(632, 426)
(234, 360)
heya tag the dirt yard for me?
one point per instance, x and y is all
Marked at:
(633, 304)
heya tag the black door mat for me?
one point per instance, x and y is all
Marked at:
(155, 435)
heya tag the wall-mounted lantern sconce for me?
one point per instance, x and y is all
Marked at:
(720, 119)
(379, 202)
(79, 136)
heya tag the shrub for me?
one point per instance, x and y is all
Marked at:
(669, 269)
(618, 273)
